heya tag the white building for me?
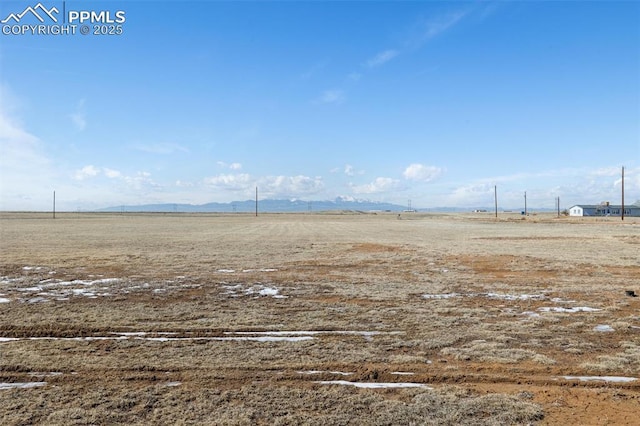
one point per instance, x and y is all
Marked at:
(604, 209)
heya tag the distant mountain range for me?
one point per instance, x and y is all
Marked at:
(290, 206)
(266, 206)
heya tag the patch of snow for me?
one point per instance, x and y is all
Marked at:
(232, 287)
(366, 334)
(167, 339)
(440, 296)
(226, 271)
(26, 289)
(267, 338)
(341, 373)
(268, 270)
(21, 385)
(371, 385)
(4, 300)
(49, 374)
(130, 333)
(274, 333)
(558, 300)
(37, 300)
(515, 296)
(105, 281)
(32, 268)
(531, 314)
(569, 310)
(268, 291)
(615, 379)
(172, 384)
(603, 328)
(402, 373)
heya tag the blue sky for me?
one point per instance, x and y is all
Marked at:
(435, 102)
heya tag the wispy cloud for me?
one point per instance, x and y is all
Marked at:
(382, 57)
(354, 76)
(26, 172)
(314, 70)
(79, 116)
(426, 30)
(350, 170)
(439, 24)
(572, 185)
(332, 96)
(230, 166)
(163, 148)
(110, 173)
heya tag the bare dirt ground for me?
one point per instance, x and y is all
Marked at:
(236, 319)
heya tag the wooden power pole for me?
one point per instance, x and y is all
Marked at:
(622, 210)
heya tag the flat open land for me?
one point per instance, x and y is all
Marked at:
(319, 319)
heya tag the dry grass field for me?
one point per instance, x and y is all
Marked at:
(322, 319)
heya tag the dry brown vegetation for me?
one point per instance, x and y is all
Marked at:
(235, 319)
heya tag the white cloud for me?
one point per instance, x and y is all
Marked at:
(348, 170)
(232, 166)
(476, 194)
(572, 185)
(422, 173)
(86, 172)
(607, 171)
(230, 182)
(141, 182)
(382, 57)
(268, 186)
(379, 185)
(332, 96)
(26, 173)
(79, 116)
(112, 174)
(290, 186)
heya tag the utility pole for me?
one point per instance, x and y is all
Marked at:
(622, 210)
(54, 204)
(558, 200)
(256, 201)
(495, 197)
(525, 203)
